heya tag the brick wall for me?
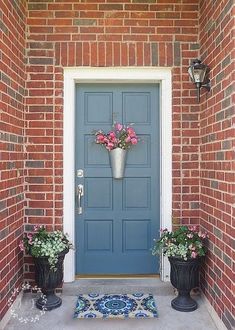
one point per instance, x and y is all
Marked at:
(103, 33)
(12, 89)
(217, 167)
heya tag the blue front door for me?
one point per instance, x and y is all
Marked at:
(119, 218)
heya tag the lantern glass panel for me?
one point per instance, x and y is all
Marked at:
(199, 75)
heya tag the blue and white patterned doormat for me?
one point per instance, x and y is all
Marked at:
(136, 305)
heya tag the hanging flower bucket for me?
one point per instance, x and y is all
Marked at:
(117, 142)
(118, 160)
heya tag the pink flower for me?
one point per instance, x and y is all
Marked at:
(112, 137)
(109, 146)
(134, 141)
(121, 136)
(36, 227)
(118, 127)
(100, 138)
(128, 139)
(194, 254)
(21, 246)
(202, 235)
(30, 238)
(190, 235)
(192, 247)
(131, 131)
(112, 134)
(193, 228)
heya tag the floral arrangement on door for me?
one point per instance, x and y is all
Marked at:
(117, 141)
(120, 137)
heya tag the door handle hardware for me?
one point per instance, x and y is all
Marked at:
(80, 173)
(80, 194)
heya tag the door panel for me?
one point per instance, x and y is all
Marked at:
(120, 218)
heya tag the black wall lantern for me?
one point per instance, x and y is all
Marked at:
(199, 74)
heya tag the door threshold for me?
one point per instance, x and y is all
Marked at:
(117, 276)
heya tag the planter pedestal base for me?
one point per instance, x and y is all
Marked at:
(52, 302)
(184, 303)
(48, 280)
(184, 277)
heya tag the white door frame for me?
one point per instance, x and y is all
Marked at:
(78, 75)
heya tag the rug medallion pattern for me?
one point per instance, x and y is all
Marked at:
(136, 305)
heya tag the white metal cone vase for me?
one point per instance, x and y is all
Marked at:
(118, 161)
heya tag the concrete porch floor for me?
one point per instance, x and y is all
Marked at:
(62, 318)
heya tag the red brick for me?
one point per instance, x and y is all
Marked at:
(78, 55)
(135, 22)
(109, 54)
(85, 6)
(157, 22)
(117, 30)
(86, 53)
(116, 52)
(124, 58)
(36, 21)
(60, 21)
(147, 54)
(91, 14)
(59, 6)
(71, 54)
(139, 54)
(101, 54)
(138, 7)
(109, 37)
(66, 29)
(111, 22)
(58, 37)
(40, 13)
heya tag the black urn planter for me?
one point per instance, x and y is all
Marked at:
(184, 277)
(48, 280)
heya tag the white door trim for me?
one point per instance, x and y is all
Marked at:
(115, 75)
